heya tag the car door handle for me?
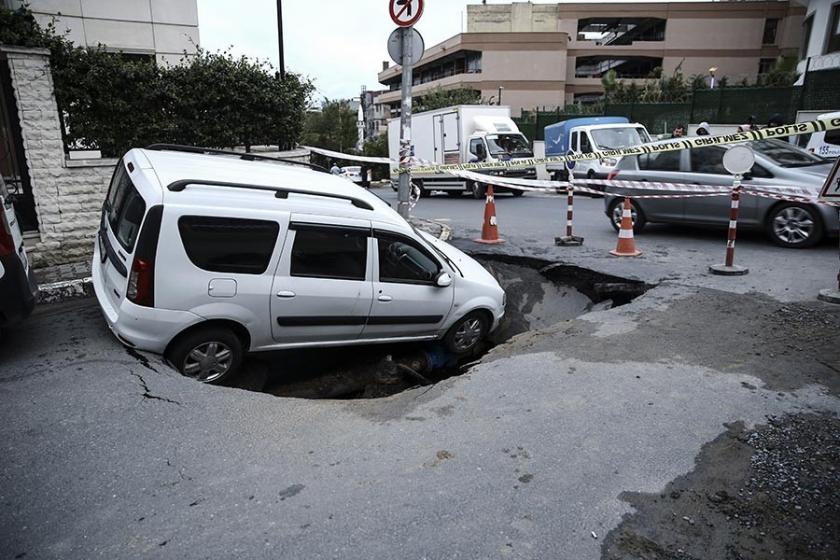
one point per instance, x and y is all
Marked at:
(385, 298)
(285, 294)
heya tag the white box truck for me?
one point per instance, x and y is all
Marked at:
(462, 134)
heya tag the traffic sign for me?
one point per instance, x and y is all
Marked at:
(831, 189)
(395, 45)
(738, 160)
(570, 164)
(405, 13)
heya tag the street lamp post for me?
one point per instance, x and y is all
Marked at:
(712, 71)
(280, 38)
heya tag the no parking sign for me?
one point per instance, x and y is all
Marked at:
(405, 13)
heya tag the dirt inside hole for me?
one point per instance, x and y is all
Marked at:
(539, 294)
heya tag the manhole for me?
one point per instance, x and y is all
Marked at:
(539, 294)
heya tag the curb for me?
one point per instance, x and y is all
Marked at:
(58, 292)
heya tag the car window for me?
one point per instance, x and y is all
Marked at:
(662, 161)
(785, 154)
(404, 261)
(615, 138)
(708, 160)
(124, 208)
(760, 171)
(228, 244)
(584, 148)
(329, 252)
(833, 136)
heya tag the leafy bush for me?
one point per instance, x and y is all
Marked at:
(439, 98)
(112, 102)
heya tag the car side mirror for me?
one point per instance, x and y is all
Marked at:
(443, 280)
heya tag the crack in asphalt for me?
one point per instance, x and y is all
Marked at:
(148, 395)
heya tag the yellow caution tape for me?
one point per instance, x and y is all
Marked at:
(818, 125)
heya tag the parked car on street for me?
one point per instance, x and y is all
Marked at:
(825, 143)
(353, 173)
(777, 163)
(204, 257)
(17, 282)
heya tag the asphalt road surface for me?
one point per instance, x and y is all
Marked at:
(697, 421)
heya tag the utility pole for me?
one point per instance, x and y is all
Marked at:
(403, 194)
(280, 38)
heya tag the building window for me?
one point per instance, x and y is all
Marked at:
(625, 66)
(807, 26)
(771, 25)
(765, 65)
(620, 31)
(462, 62)
(834, 30)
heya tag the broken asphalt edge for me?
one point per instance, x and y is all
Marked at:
(57, 292)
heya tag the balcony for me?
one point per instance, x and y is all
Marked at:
(624, 66)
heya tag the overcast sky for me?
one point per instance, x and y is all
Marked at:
(339, 44)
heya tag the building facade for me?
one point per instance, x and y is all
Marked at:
(820, 42)
(556, 54)
(165, 29)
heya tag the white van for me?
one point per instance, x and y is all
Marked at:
(825, 143)
(203, 257)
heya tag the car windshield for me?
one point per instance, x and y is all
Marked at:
(513, 144)
(616, 138)
(784, 154)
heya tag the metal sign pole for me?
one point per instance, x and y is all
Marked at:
(403, 206)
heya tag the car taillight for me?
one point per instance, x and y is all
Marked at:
(612, 175)
(141, 283)
(7, 243)
(141, 279)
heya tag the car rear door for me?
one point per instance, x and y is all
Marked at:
(322, 289)
(407, 301)
(706, 168)
(658, 167)
(122, 215)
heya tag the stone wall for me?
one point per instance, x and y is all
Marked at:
(68, 194)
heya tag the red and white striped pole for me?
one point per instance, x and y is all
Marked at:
(729, 268)
(569, 238)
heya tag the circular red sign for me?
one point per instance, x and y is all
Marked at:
(405, 13)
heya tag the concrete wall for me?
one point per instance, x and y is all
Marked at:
(165, 28)
(68, 195)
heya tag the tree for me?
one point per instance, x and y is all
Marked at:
(111, 102)
(333, 127)
(440, 97)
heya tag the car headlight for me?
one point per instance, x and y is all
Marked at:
(609, 162)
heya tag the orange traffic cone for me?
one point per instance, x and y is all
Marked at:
(489, 229)
(626, 244)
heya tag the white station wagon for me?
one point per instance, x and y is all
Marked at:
(203, 255)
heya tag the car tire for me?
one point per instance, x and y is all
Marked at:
(467, 333)
(479, 191)
(616, 209)
(794, 225)
(191, 354)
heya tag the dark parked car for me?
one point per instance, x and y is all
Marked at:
(17, 283)
(777, 163)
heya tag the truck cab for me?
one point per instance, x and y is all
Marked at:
(591, 134)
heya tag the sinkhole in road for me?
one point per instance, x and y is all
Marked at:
(540, 293)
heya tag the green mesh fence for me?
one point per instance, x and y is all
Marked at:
(729, 105)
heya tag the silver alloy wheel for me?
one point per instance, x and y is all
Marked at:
(618, 212)
(793, 225)
(208, 361)
(468, 334)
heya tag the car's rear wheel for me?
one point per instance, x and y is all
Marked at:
(794, 225)
(467, 332)
(209, 355)
(617, 209)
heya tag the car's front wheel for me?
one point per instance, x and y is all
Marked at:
(209, 355)
(794, 225)
(616, 211)
(467, 332)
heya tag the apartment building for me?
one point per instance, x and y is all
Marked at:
(820, 44)
(580, 42)
(164, 29)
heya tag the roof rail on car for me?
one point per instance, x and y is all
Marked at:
(279, 192)
(241, 155)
